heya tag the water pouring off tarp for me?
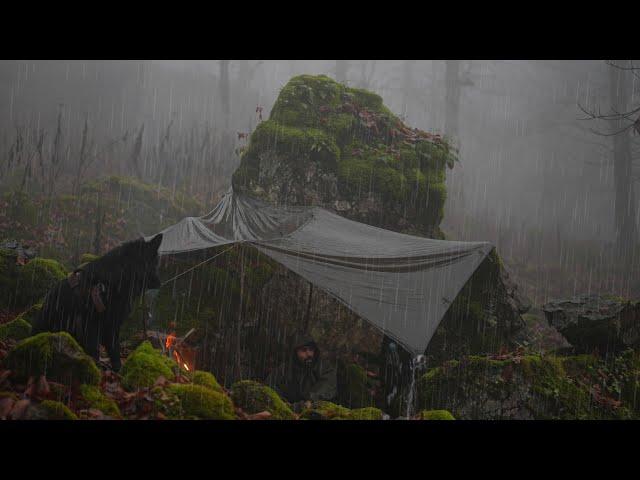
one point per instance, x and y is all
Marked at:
(401, 284)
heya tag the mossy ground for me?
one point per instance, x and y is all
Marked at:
(94, 398)
(436, 415)
(63, 227)
(323, 410)
(55, 355)
(143, 367)
(206, 379)
(253, 397)
(51, 410)
(530, 386)
(203, 403)
(17, 329)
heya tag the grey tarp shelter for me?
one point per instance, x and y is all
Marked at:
(400, 283)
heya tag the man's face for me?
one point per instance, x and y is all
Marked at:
(305, 354)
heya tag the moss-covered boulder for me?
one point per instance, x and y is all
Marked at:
(92, 397)
(602, 323)
(436, 415)
(88, 257)
(206, 379)
(49, 410)
(201, 402)
(17, 329)
(323, 410)
(36, 278)
(166, 403)
(55, 355)
(521, 387)
(253, 397)
(31, 313)
(143, 367)
(368, 413)
(327, 144)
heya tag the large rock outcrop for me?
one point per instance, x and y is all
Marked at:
(592, 322)
(341, 148)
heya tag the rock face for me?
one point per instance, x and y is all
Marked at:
(533, 387)
(592, 322)
(341, 148)
(56, 355)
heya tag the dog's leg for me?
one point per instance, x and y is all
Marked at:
(92, 337)
(112, 344)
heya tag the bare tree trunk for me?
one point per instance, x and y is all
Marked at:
(452, 98)
(225, 97)
(624, 196)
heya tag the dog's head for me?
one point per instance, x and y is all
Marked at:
(147, 261)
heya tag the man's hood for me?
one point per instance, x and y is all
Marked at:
(304, 339)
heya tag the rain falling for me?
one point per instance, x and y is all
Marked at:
(316, 240)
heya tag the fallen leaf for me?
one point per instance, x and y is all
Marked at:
(6, 404)
(19, 409)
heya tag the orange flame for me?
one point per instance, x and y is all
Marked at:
(172, 341)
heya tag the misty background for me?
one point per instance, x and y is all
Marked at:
(533, 177)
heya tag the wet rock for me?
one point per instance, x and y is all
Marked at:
(590, 323)
(253, 397)
(526, 387)
(16, 329)
(55, 355)
(198, 402)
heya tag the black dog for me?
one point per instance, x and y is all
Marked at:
(93, 301)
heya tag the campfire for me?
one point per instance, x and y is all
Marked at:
(178, 348)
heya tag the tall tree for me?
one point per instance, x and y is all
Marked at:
(452, 98)
(620, 97)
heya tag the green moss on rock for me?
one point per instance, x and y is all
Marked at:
(206, 379)
(323, 410)
(369, 413)
(88, 257)
(253, 397)
(17, 329)
(201, 402)
(49, 410)
(56, 355)
(527, 387)
(327, 142)
(36, 278)
(436, 415)
(143, 367)
(31, 313)
(94, 398)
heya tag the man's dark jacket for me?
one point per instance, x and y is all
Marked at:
(298, 382)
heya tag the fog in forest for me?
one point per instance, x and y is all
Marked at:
(536, 176)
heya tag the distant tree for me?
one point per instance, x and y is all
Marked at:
(623, 119)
